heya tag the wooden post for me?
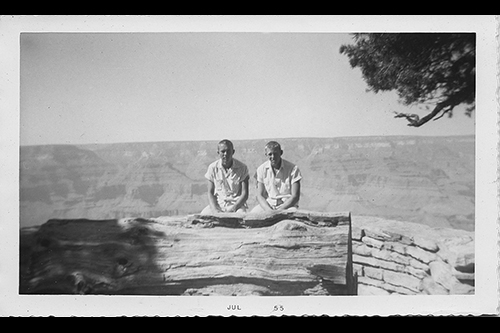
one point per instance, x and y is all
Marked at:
(281, 253)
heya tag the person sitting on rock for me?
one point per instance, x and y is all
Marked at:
(227, 182)
(278, 182)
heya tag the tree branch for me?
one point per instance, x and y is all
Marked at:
(445, 106)
(414, 119)
(450, 108)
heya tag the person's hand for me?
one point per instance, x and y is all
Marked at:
(269, 209)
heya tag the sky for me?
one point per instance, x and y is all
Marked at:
(98, 87)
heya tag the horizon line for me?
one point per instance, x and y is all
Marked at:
(256, 139)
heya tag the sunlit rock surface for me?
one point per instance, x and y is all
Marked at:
(395, 257)
(300, 253)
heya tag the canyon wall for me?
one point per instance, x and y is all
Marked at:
(426, 180)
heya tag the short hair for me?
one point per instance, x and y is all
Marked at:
(272, 145)
(227, 143)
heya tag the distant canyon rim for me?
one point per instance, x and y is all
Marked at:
(426, 180)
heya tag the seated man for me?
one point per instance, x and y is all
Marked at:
(278, 182)
(227, 182)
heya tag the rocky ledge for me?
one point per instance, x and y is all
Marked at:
(299, 253)
(402, 258)
(280, 253)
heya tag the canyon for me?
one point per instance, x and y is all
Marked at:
(424, 180)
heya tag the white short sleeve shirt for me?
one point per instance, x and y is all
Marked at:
(227, 183)
(278, 186)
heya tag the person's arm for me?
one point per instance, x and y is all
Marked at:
(243, 197)
(261, 199)
(294, 199)
(212, 200)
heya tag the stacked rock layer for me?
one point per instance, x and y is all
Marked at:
(402, 258)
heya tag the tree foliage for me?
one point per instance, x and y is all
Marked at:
(435, 68)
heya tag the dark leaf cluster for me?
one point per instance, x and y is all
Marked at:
(437, 68)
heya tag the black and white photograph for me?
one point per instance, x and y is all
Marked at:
(249, 165)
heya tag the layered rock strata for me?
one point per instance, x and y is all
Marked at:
(278, 254)
(301, 253)
(403, 258)
(426, 180)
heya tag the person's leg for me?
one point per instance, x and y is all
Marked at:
(206, 211)
(257, 209)
(242, 210)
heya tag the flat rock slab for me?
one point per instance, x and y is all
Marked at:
(282, 253)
